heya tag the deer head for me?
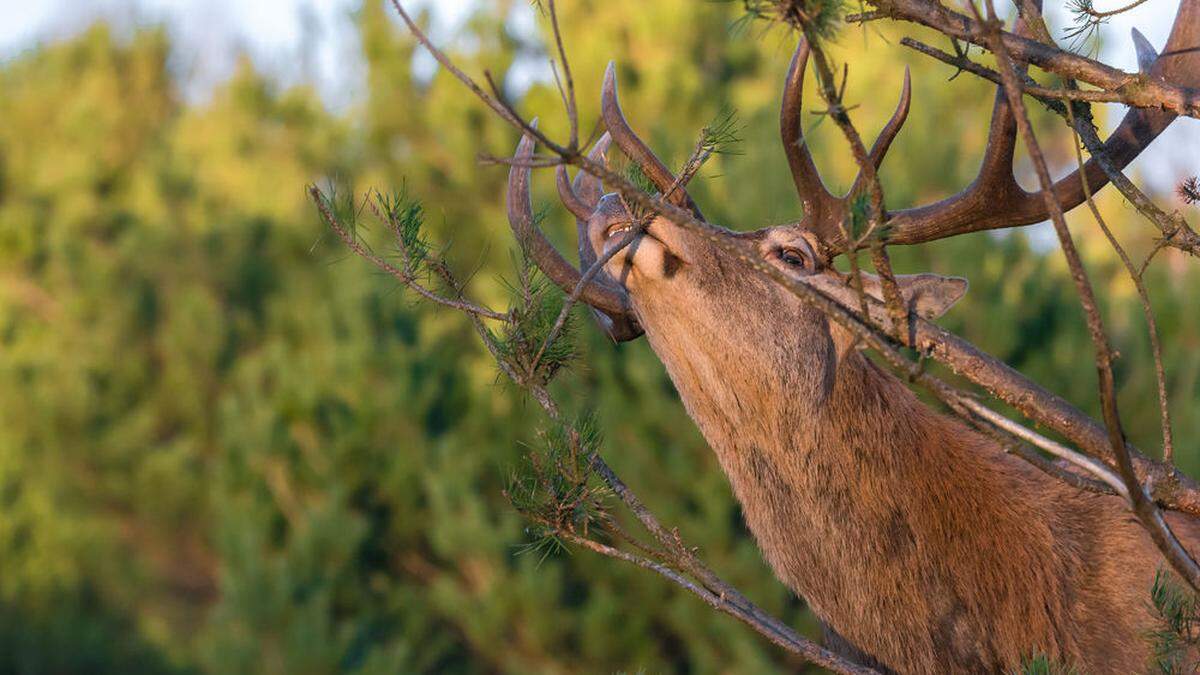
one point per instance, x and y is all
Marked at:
(993, 200)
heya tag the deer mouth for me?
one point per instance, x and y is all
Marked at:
(634, 235)
(617, 230)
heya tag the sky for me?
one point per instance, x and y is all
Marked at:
(210, 34)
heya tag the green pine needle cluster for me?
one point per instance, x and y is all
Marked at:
(1189, 190)
(859, 220)
(535, 307)
(722, 134)
(821, 17)
(406, 217)
(1178, 633)
(342, 204)
(1084, 30)
(555, 489)
(634, 174)
(1040, 664)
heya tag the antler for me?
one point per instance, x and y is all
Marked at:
(605, 298)
(636, 150)
(994, 200)
(823, 212)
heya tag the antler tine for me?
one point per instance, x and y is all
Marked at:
(587, 186)
(994, 187)
(1178, 63)
(576, 205)
(815, 198)
(580, 196)
(1146, 56)
(543, 253)
(996, 169)
(635, 149)
(889, 131)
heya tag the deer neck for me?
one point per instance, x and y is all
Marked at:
(880, 512)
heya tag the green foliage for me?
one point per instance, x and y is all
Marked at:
(346, 208)
(860, 218)
(823, 17)
(406, 217)
(723, 133)
(1178, 635)
(1189, 190)
(1084, 31)
(556, 490)
(529, 343)
(1040, 664)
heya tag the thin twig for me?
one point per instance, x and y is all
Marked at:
(1112, 12)
(780, 635)
(496, 103)
(1059, 450)
(1159, 245)
(355, 245)
(1164, 407)
(963, 63)
(572, 111)
(891, 290)
(586, 278)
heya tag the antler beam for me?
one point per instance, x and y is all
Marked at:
(994, 200)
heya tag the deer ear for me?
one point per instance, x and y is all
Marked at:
(926, 295)
(929, 295)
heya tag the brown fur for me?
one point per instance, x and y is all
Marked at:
(914, 538)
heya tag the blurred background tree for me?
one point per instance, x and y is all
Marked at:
(224, 447)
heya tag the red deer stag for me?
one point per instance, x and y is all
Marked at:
(914, 538)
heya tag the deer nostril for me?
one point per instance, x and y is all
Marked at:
(670, 264)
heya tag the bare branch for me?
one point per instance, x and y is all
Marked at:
(777, 633)
(569, 97)
(1057, 449)
(1145, 92)
(963, 63)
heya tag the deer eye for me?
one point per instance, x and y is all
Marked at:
(793, 257)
